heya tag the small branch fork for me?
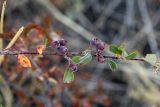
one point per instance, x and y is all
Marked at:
(55, 53)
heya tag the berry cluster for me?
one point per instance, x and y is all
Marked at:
(60, 46)
(100, 46)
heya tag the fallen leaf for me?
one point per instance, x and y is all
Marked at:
(40, 48)
(24, 61)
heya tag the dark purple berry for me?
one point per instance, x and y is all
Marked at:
(62, 42)
(100, 46)
(94, 41)
(99, 52)
(73, 67)
(62, 50)
(55, 44)
(101, 59)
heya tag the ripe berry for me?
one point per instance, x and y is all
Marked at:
(73, 67)
(62, 50)
(101, 59)
(55, 44)
(100, 46)
(94, 41)
(62, 42)
(99, 52)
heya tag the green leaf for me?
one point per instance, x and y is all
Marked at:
(125, 54)
(122, 46)
(132, 55)
(112, 65)
(119, 52)
(87, 58)
(46, 42)
(114, 49)
(151, 58)
(68, 76)
(76, 59)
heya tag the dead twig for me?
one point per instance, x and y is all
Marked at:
(65, 20)
(15, 38)
(1, 29)
(148, 26)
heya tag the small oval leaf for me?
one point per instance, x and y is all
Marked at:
(132, 55)
(113, 48)
(68, 76)
(76, 59)
(116, 50)
(86, 58)
(151, 58)
(119, 52)
(125, 54)
(112, 65)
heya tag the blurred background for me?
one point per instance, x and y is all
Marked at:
(132, 22)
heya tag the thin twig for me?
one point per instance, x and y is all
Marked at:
(6, 92)
(148, 26)
(15, 38)
(107, 12)
(2, 16)
(1, 28)
(68, 54)
(141, 34)
(65, 20)
(127, 22)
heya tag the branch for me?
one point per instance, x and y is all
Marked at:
(68, 54)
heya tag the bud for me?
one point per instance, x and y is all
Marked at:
(99, 52)
(73, 67)
(62, 42)
(62, 50)
(94, 41)
(101, 59)
(55, 44)
(100, 46)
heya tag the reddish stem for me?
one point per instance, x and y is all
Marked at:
(55, 53)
